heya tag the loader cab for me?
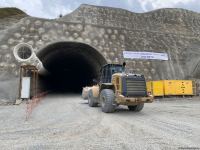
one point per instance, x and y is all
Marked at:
(108, 70)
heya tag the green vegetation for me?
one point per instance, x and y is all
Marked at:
(6, 12)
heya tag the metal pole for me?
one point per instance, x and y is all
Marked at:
(20, 82)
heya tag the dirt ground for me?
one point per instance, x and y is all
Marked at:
(67, 122)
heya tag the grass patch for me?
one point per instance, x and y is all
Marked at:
(6, 12)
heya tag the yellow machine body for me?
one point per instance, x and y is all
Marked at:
(115, 87)
(117, 82)
(121, 87)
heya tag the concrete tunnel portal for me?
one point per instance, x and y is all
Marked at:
(70, 66)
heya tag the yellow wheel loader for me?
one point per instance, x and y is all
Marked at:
(118, 88)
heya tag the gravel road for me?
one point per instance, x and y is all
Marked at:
(67, 122)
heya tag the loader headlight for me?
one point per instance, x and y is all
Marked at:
(149, 94)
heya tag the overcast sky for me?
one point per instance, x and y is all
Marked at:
(52, 8)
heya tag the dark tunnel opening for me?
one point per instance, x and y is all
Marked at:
(71, 66)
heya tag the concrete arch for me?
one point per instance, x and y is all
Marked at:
(71, 65)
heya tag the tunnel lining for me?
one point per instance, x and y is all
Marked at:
(71, 65)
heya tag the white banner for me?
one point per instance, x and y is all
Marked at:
(145, 55)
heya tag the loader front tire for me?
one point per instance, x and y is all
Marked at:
(107, 98)
(136, 108)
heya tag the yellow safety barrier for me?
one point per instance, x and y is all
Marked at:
(171, 87)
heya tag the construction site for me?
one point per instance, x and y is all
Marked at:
(100, 78)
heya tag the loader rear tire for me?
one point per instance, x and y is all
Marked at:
(107, 98)
(91, 100)
(136, 108)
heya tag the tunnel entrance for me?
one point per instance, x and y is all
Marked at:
(71, 66)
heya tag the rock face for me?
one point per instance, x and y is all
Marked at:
(10, 16)
(110, 31)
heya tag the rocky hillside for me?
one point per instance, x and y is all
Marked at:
(10, 16)
(170, 20)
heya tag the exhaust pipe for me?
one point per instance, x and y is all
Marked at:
(25, 54)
